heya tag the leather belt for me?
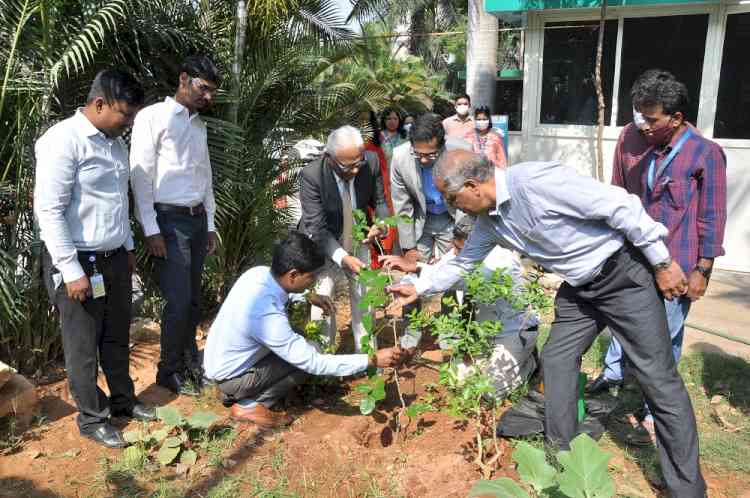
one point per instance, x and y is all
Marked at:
(186, 210)
(102, 254)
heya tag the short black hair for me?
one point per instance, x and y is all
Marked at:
(200, 66)
(426, 127)
(115, 85)
(463, 96)
(296, 252)
(659, 87)
(483, 109)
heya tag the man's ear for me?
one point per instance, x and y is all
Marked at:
(184, 78)
(679, 118)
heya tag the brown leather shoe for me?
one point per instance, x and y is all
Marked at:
(260, 416)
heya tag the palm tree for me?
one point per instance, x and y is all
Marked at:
(481, 55)
(52, 48)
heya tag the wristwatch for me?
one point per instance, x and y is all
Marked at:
(706, 272)
(664, 264)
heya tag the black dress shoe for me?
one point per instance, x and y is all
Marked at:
(139, 411)
(178, 385)
(601, 384)
(108, 436)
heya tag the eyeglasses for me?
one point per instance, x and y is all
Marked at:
(347, 168)
(429, 156)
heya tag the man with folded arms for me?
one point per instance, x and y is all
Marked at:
(252, 353)
(608, 251)
(173, 192)
(81, 204)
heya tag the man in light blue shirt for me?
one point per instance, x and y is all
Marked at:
(602, 242)
(253, 354)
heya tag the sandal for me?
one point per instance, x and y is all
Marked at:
(630, 430)
(648, 425)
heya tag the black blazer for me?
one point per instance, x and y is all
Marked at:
(322, 214)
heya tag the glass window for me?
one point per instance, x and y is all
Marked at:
(674, 43)
(733, 105)
(568, 91)
(509, 100)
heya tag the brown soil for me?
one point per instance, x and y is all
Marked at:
(331, 450)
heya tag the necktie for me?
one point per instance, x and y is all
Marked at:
(346, 206)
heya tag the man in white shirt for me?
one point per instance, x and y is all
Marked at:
(512, 359)
(81, 204)
(174, 200)
(253, 354)
(346, 178)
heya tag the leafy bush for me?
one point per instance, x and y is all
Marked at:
(583, 474)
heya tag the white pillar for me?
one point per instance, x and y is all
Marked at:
(481, 55)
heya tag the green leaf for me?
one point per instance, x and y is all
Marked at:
(167, 454)
(364, 388)
(160, 434)
(533, 467)
(170, 416)
(499, 488)
(202, 420)
(133, 456)
(378, 388)
(136, 436)
(172, 442)
(188, 457)
(366, 406)
(367, 323)
(416, 409)
(585, 473)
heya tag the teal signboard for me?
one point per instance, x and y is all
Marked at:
(498, 6)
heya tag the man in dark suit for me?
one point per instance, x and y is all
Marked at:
(344, 179)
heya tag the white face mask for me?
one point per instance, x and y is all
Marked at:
(407, 127)
(462, 109)
(638, 119)
(482, 124)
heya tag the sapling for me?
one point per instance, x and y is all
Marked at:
(471, 339)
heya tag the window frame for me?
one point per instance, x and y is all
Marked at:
(707, 100)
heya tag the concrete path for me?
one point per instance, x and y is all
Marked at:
(724, 308)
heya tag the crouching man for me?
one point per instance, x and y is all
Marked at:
(252, 353)
(512, 359)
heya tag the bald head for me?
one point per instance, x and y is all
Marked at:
(455, 167)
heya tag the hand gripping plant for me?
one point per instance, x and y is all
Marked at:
(473, 396)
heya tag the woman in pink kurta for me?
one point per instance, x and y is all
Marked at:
(485, 140)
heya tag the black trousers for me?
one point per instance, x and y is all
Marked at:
(186, 238)
(624, 298)
(266, 382)
(96, 327)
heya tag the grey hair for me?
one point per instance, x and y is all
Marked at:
(478, 168)
(340, 137)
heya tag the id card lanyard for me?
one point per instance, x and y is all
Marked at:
(97, 280)
(652, 174)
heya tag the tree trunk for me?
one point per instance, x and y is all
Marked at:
(600, 96)
(239, 54)
(481, 55)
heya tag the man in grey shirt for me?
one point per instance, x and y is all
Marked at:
(81, 204)
(601, 241)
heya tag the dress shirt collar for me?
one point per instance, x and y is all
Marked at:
(85, 126)
(275, 289)
(178, 108)
(502, 194)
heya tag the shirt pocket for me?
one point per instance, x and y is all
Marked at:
(679, 193)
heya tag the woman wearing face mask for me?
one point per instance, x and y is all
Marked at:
(408, 123)
(485, 140)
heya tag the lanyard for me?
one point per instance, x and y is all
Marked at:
(652, 175)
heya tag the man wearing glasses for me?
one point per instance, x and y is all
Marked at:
(174, 201)
(415, 195)
(345, 178)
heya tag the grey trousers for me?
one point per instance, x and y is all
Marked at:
(186, 238)
(266, 382)
(625, 299)
(93, 331)
(437, 237)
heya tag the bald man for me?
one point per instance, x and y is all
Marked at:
(616, 268)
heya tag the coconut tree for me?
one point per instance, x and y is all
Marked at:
(481, 55)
